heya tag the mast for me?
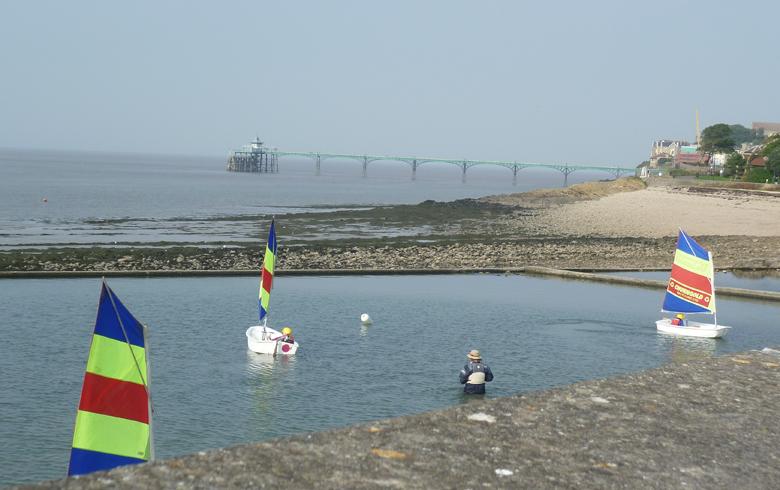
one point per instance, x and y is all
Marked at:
(712, 282)
(149, 390)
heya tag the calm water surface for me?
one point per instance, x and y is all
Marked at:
(209, 391)
(103, 198)
(756, 280)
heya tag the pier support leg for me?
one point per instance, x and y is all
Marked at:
(317, 165)
(566, 171)
(365, 167)
(414, 169)
(514, 174)
(463, 177)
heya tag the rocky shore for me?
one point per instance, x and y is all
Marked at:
(563, 253)
(606, 225)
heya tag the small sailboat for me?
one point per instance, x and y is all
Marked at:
(691, 289)
(114, 418)
(262, 338)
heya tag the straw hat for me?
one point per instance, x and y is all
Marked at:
(474, 355)
(680, 316)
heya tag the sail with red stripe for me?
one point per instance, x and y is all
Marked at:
(267, 276)
(691, 285)
(113, 421)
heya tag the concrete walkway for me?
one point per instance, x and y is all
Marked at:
(532, 270)
(711, 423)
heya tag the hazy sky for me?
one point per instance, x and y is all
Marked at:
(566, 81)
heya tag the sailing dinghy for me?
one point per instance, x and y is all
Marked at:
(262, 338)
(114, 418)
(691, 289)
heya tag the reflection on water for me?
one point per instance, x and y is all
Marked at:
(763, 280)
(757, 274)
(262, 365)
(686, 349)
(464, 398)
(266, 375)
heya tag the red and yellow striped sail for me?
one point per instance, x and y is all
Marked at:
(113, 422)
(267, 276)
(690, 288)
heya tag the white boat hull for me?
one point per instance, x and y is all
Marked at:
(692, 329)
(265, 340)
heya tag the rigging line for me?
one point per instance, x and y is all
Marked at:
(147, 354)
(127, 340)
(685, 236)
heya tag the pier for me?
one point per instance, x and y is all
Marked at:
(464, 164)
(255, 158)
(256, 150)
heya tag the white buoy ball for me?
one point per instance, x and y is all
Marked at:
(365, 319)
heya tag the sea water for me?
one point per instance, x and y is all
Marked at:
(81, 198)
(209, 391)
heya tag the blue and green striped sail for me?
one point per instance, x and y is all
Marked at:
(113, 422)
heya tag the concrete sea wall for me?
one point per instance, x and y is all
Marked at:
(534, 270)
(708, 423)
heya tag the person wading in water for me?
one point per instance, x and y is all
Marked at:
(475, 374)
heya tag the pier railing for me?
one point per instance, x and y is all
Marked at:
(258, 158)
(464, 164)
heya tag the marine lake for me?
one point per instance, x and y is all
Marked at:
(209, 391)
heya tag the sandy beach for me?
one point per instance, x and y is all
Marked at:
(659, 211)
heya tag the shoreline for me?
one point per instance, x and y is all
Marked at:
(624, 224)
(580, 253)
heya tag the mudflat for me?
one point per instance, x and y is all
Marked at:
(623, 224)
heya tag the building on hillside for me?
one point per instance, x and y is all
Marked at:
(690, 159)
(757, 161)
(749, 151)
(690, 155)
(770, 129)
(718, 159)
(664, 151)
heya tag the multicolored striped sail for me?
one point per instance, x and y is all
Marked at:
(691, 286)
(113, 422)
(267, 277)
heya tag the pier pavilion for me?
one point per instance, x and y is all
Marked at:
(254, 157)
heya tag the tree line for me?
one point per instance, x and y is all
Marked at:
(724, 138)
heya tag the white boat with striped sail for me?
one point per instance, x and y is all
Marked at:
(114, 418)
(691, 289)
(261, 338)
